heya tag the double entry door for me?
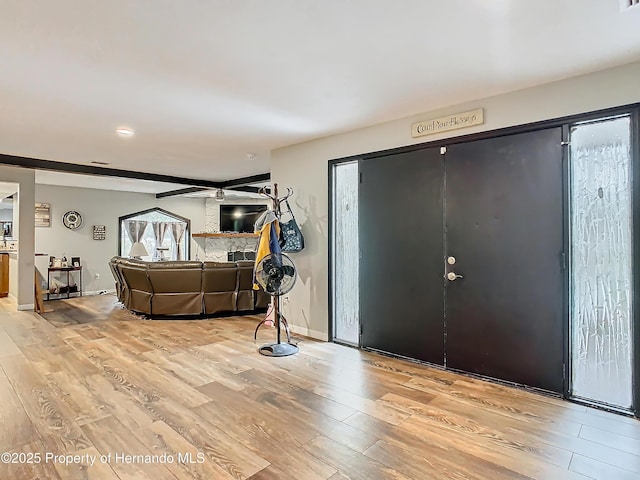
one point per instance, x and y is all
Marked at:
(461, 257)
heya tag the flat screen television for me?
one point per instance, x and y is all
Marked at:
(239, 218)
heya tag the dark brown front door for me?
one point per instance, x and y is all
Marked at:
(493, 205)
(401, 245)
(504, 227)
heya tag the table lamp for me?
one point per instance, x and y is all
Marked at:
(138, 251)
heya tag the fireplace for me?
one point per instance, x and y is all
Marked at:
(241, 255)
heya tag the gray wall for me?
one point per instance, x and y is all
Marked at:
(99, 207)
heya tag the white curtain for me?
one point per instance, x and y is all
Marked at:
(159, 230)
(178, 229)
(135, 229)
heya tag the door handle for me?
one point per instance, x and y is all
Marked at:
(451, 276)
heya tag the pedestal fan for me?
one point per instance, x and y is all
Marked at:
(276, 274)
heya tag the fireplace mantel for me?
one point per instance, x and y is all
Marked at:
(225, 235)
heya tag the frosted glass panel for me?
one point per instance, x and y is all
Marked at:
(601, 259)
(346, 312)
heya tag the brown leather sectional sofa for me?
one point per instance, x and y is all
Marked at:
(186, 288)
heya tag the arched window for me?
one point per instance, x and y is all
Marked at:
(164, 235)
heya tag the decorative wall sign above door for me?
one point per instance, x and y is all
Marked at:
(450, 122)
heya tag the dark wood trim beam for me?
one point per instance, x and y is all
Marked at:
(246, 189)
(181, 191)
(50, 165)
(240, 182)
(185, 191)
(196, 185)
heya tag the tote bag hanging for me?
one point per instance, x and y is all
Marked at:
(293, 239)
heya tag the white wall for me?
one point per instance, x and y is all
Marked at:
(23, 225)
(304, 166)
(99, 207)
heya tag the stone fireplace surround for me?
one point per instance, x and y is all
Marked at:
(220, 249)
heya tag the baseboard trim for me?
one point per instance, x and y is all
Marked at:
(26, 306)
(307, 332)
(98, 292)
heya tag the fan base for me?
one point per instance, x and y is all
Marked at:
(278, 349)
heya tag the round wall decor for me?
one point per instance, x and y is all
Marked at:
(72, 220)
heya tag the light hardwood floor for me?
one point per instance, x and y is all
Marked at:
(92, 379)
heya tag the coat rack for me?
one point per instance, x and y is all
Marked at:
(278, 349)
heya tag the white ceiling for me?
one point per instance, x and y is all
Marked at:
(104, 183)
(203, 83)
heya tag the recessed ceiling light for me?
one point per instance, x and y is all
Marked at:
(251, 156)
(125, 131)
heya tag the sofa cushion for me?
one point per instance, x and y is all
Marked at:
(175, 277)
(219, 277)
(176, 303)
(219, 286)
(246, 295)
(138, 288)
(177, 288)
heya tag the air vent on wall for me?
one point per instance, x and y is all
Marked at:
(627, 4)
(100, 163)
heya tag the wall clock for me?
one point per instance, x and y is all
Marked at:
(72, 220)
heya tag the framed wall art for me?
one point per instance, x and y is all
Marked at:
(99, 232)
(43, 215)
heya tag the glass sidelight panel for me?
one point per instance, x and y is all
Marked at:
(601, 262)
(346, 313)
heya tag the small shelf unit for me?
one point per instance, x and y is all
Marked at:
(69, 289)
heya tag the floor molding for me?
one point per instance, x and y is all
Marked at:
(307, 332)
(99, 292)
